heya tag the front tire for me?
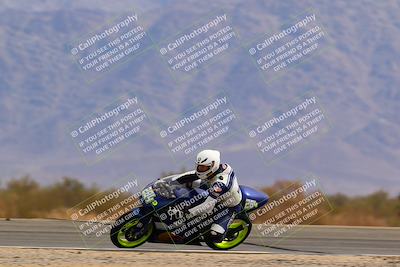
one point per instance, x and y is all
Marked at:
(232, 240)
(131, 233)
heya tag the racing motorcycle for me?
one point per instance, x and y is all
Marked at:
(165, 219)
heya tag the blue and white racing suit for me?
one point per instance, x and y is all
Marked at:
(224, 194)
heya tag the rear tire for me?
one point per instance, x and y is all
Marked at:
(128, 234)
(238, 238)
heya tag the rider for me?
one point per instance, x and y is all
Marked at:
(221, 183)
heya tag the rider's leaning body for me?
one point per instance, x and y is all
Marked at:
(221, 183)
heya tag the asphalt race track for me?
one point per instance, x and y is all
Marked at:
(306, 239)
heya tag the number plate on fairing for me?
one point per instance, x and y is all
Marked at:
(148, 195)
(250, 204)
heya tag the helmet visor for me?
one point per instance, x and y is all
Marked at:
(202, 168)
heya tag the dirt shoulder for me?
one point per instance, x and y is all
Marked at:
(65, 257)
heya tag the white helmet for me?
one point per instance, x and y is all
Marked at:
(207, 163)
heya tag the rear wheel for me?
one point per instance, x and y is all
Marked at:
(237, 232)
(131, 233)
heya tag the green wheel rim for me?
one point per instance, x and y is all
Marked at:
(239, 238)
(126, 243)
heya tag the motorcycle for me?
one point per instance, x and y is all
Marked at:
(165, 219)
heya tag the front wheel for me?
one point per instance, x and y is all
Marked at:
(130, 234)
(237, 232)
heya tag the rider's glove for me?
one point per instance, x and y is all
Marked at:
(164, 189)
